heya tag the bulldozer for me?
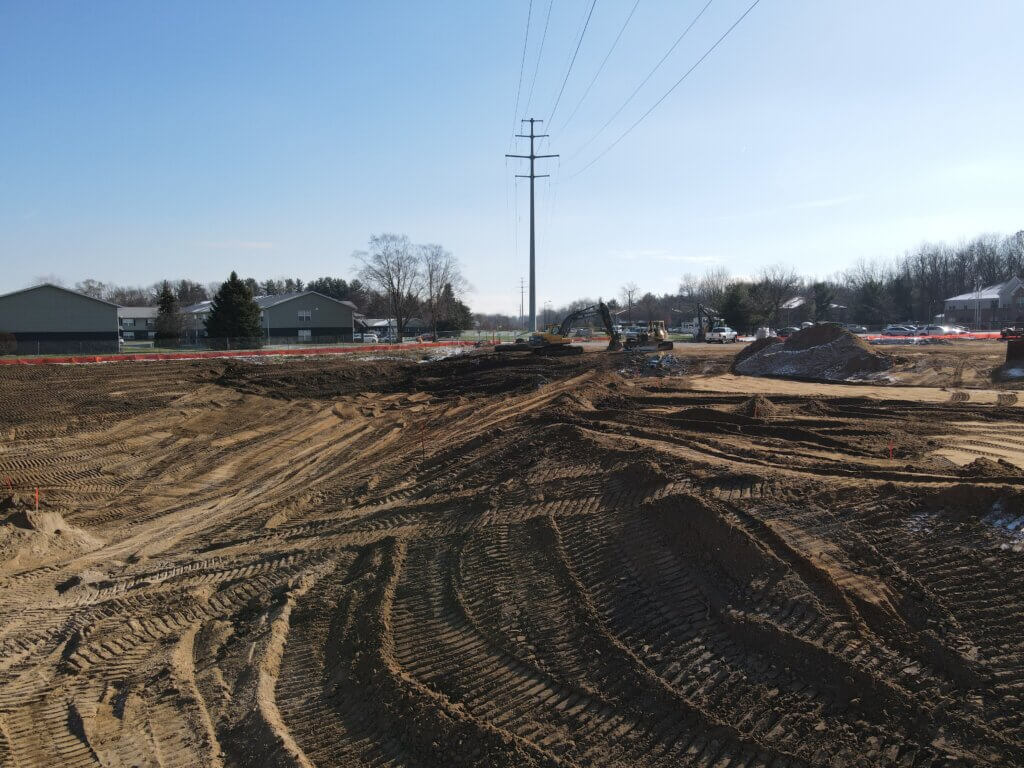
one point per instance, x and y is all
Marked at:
(556, 339)
(654, 338)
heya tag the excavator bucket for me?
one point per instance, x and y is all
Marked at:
(1014, 353)
(614, 344)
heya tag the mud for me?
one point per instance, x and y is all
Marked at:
(511, 561)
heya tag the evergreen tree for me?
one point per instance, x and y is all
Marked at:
(735, 307)
(234, 320)
(169, 323)
(453, 315)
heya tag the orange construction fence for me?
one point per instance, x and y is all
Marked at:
(202, 355)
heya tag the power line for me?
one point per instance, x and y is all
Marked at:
(540, 52)
(600, 68)
(571, 62)
(644, 81)
(522, 62)
(669, 91)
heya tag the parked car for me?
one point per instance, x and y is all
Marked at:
(940, 330)
(898, 330)
(368, 338)
(633, 333)
(854, 328)
(784, 333)
(721, 334)
(1013, 332)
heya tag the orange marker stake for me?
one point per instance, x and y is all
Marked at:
(890, 450)
(37, 498)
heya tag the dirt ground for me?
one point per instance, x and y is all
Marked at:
(511, 561)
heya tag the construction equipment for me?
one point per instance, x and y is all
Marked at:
(655, 337)
(706, 319)
(556, 339)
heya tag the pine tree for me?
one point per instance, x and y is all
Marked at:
(234, 320)
(169, 322)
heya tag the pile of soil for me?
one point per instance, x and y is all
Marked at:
(758, 407)
(29, 538)
(985, 467)
(820, 353)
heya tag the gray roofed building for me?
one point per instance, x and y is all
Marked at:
(50, 319)
(137, 322)
(988, 305)
(288, 318)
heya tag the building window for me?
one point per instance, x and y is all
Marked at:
(150, 322)
(305, 334)
(305, 316)
(994, 304)
(129, 335)
(128, 322)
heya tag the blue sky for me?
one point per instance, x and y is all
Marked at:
(144, 140)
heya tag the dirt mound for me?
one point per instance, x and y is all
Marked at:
(985, 467)
(752, 349)
(821, 353)
(758, 406)
(29, 538)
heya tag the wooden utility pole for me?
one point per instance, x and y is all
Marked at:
(533, 239)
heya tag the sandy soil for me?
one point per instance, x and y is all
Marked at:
(509, 560)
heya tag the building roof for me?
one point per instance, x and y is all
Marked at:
(265, 302)
(59, 288)
(138, 311)
(197, 309)
(988, 292)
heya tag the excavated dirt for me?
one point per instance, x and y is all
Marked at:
(758, 406)
(820, 353)
(505, 562)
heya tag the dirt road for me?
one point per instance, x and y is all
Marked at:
(505, 561)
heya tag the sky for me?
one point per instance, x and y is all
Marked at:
(151, 140)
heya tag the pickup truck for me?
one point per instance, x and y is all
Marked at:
(721, 334)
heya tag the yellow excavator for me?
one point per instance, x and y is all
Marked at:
(556, 339)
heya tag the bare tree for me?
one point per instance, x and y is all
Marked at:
(712, 286)
(688, 286)
(391, 267)
(628, 294)
(440, 269)
(93, 288)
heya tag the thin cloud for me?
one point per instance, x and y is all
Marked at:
(239, 245)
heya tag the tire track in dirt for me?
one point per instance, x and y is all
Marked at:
(502, 562)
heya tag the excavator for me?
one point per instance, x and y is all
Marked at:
(556, 339)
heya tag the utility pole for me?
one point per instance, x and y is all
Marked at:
(532, 157)
(522, 291)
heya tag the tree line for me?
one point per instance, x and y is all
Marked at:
(912, 287)
(397, 280)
